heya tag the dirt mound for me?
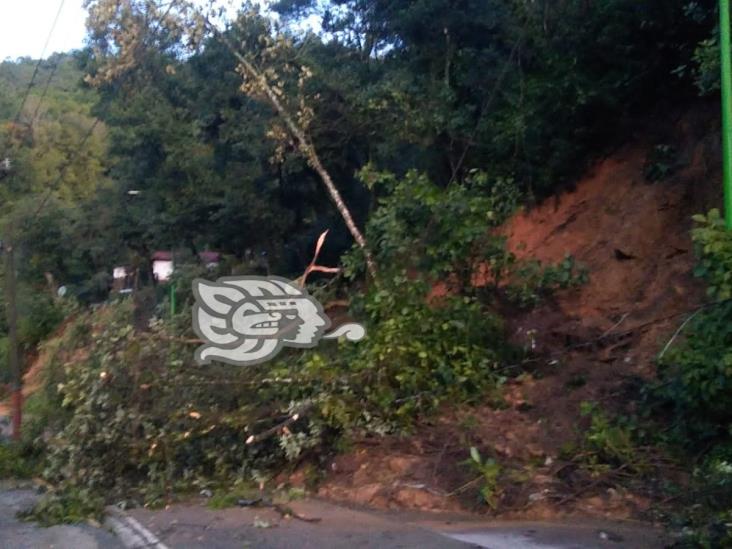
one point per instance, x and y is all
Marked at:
(631, 234)
(593, 343)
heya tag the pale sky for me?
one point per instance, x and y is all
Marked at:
(25, 24)
(24, 27)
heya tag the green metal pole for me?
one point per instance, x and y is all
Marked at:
(726, 83)
(172, 299)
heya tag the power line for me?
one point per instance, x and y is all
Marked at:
(62, 171)
(45, 91)
(38, 64)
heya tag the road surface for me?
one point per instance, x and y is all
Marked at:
(15, 534)
(194, 526)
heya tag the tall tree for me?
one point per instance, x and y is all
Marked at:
(121, 31)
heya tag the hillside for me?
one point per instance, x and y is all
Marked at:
(500, 193)
(593, 343)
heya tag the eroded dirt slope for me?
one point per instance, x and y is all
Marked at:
(595, 343)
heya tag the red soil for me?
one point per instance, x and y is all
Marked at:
(593, 343)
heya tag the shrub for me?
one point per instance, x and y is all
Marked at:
(696, 374)
(415, 357)
(529, 281)
(40, 315)
(14, 461)
(439, 231)
(173, 425)
(714, 249)
(696, 382)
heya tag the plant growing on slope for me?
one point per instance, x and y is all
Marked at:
(696, 373)
(490, 471)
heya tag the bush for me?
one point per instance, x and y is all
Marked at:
(714, 248)
(416, 356)
(696, 374)
(142, 400)
(529, 281)
(15, 461)
(439, 231)
(39, 316)
(450, 234)
(67, 506)
(173, 425)
(696, 382)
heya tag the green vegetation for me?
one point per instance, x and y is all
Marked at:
(15, 463)
(609, 444)
(695, 386)
(434, 120)
(67, 506)
(176, 426)
(695, 373)
(489, 470)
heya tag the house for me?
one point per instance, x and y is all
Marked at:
(122, 279)
(162, 265)
(119, 273)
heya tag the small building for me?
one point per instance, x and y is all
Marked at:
(162, 265)
(122, 279)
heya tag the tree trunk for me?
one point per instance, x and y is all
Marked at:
(307, 149)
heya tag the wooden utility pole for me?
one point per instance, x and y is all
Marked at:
(12, 316)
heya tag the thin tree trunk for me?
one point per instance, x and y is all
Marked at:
(308, 151)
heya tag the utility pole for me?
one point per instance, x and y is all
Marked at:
(726, 85)
(12, 316)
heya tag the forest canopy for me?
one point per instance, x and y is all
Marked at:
(403, 134)
(520, 90)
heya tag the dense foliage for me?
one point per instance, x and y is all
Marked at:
(435, 119)
(173, 425)
(696, 383)
(698, 372)
(521, 91)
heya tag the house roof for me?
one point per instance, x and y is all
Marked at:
(162, 255)
(208, 256)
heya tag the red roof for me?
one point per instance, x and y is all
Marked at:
(162, 255)
(209, 256)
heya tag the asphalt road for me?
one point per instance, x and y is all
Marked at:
(195, 526)
(15, 534)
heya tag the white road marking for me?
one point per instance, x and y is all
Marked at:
(130, 532)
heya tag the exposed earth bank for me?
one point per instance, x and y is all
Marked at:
(596, 343)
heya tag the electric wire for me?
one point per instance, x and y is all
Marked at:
(79, 148)
(34, 118)
(38, 64)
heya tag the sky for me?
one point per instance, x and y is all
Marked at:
(25, 24)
